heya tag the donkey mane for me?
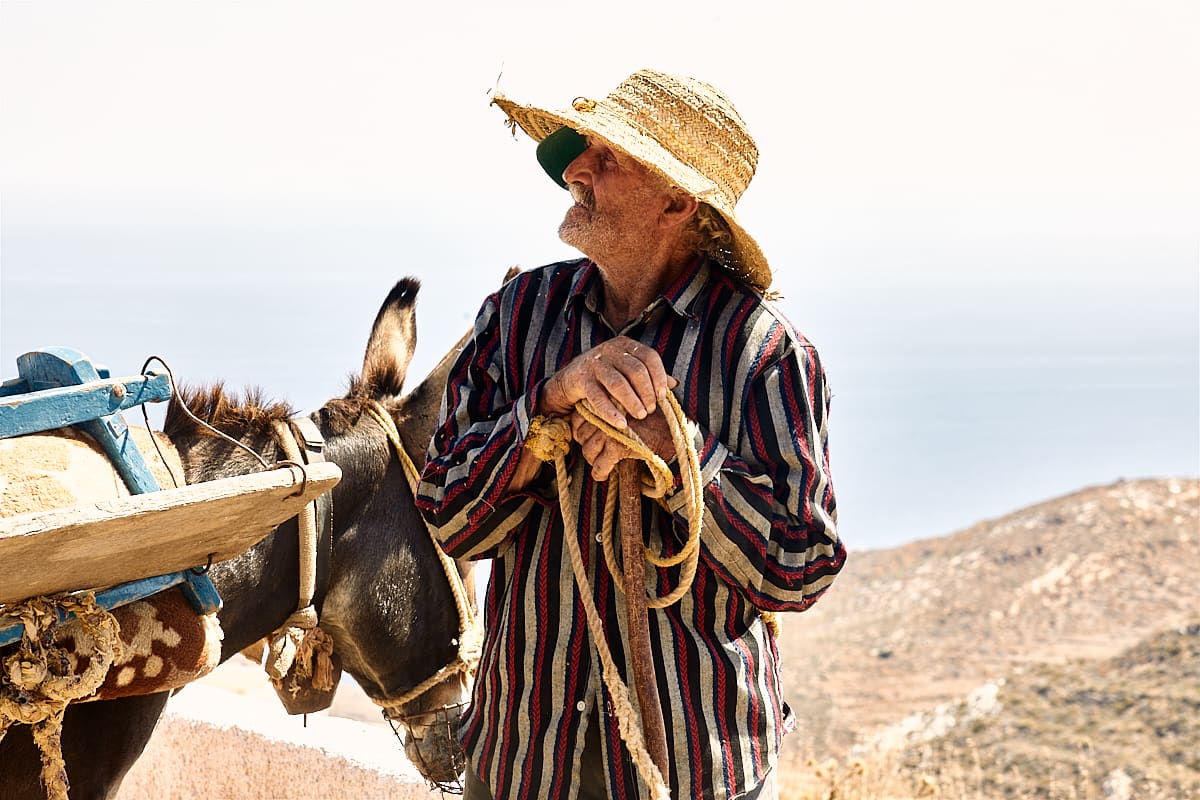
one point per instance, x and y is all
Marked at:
(253, 413)
(222, 409)
(342, 413)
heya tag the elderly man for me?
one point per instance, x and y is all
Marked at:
(671, 297)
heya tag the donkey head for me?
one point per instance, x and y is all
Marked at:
(382, 594)
(389, 605)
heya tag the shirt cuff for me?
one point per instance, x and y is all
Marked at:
(542, 487)
(524, 410)
(712, 457)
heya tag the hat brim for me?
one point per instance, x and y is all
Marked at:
(610, 125)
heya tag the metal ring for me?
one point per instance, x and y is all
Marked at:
(203, 570)
(303, 475)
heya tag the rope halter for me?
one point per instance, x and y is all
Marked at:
(439, 723)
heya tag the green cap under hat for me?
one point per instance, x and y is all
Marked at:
(558, 150)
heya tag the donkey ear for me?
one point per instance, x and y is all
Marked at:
(393, 340)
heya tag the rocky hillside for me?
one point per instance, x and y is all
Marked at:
(1052, 653)
(972, 617)
(1119, 728)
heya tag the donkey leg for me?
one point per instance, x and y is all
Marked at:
(103, 740)
(100, 742)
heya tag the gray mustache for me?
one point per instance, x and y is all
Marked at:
(582, 195)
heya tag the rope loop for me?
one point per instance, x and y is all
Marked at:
(549, 439)
(657, 481)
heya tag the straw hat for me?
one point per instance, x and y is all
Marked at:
(684, 129)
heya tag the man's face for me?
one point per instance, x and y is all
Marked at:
(617, 205)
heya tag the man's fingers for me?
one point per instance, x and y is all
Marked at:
(606, 456)
(646, 380)
(629, 383)
(619, 378)
(598, 450)
(603, 405)
(643, 380)
(660, 381)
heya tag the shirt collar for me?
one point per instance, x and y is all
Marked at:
(587, 287)
(688, 286)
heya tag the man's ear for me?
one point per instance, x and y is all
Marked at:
(680, 208)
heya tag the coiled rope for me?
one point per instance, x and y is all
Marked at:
(38, 679)
(549, 439)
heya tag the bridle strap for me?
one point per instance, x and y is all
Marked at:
(314, 451)
(470, 634)
(314, 525)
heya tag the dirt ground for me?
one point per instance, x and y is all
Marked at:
(227, 737)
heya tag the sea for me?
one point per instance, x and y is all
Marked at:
(956, 399)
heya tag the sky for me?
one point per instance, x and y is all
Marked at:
(973, 209)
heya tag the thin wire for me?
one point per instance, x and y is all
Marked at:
(154, 441)
(197, 420)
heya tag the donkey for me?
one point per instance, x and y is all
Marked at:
(380, 594)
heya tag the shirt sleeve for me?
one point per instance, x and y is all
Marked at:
(475, 451)
(770, 517)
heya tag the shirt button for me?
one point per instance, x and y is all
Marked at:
(581, 706)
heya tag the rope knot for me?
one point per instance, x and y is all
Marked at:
(549, 438)
(303, 618)
(26, 674)
(286, 644)
(39, 679)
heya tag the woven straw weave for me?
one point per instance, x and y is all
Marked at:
(682, 128)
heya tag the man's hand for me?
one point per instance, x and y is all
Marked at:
(621, 378)
(624, 381)
(604, 453)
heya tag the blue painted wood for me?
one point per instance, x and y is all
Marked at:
(14, 386)
(21, 386)
(64, 388)
(45, 410)
(200, 592)
(61, 366)
(54, 367)
(114, 597)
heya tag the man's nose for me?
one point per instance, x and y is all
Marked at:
(580, 170)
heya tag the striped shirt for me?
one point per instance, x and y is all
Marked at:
(755, 390)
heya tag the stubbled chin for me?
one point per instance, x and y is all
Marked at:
(573, 225)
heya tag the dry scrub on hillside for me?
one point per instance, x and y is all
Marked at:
(1116, 729)
(187, 759)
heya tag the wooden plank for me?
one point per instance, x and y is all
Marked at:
(69, 405)
(113, 436)
(124, 539)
